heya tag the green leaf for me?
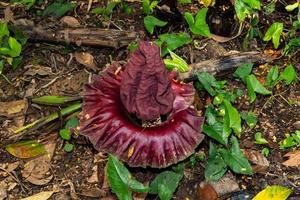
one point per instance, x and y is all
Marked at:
(242, 10)
(274, 33)
(292, 46)
(15, 47)
(265, 151)
(250, 118)
(259, 139)
(274, 192)
(58, 9)
(68, 147)
(72, 123)
(216, 167)
(121, 181)
(132, 46)
(176, 63)
(3, 30)
(243, 71)
(165, 184)
(272, 76)
(270, 7)
(292, 7)
(172, 41)
(255, 4)
(253, 85)
(198, 26)
(184, 1)
(151, 21)
(214, 132)
(26, 149)
(232, 120)
(65, 134)
(27, 3)
(1, 66)
(148, 7)
(16, 62)
(208, 81)
(289, 75)
(235, 158)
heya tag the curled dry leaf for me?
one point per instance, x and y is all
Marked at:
(293, 159)
(86, 59)
(3, 190)
(37, 170)
(260, 162)
(41, 70)
(13, 108)
(40, 196)
(70, 21)
(94, 177)
(213, 190)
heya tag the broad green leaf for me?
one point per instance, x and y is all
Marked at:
(253, 85)
(272, 76)
(189, 18)
(242, 10)
(259, 139)
(270, 7)
(3, 30)
(148, 7)
(289, 75)
(65, 134)
(232, 120)
(171, 41)
(243, 71)
(14, 49)
(255, 4)
(198, 26)
(208, 81)
(150, 22)
(292, 7)
(72, 123)
(16, 62)
(26, 149)
(121, 181)
(292, 46)
(214, 132)
(250, 118)
(265, 151)
(274, 192)
(165, 184)
(274, 33)
(59, 9)
(68, 147)
(27, 3)
(176, 63)
(235, 159)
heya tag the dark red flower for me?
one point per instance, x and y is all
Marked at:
(108, 121)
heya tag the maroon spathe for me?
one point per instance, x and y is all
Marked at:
(106, 123)
(145, 87)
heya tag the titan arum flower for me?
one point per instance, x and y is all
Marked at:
(140, 114)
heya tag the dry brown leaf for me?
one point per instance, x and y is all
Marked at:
(260, 163)
(93, 192)
(70, 21)
(41, 70)
(37, 170)
(3, 190)
(13, 108)
(40, 196)
(94, 177)
(86, 59)
(8, 14)
(293, 159)
(139, 196)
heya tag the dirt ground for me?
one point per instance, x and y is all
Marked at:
(51, 69)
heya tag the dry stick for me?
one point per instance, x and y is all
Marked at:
(81, 36)
(224, 63)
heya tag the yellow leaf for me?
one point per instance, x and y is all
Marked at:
(207, 3)
(275, 192)
(40, 196)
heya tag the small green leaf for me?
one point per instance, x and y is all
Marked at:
(65, 134)
(232, 120)
(235, 158)
(121, 181)
(165, 184)
(3, 30)
(259, 139)
(250, 118)
(148, 7)
(151, 21)
(243, 71)
(274, 33)
(265, 151)
(274, 192)
(272, 76)
(292, 46)
(214, 132)
(255, 4)
(242, 10)
(59, 9)
(68, 147)
(72, 123)
(132, 46)
(172, 41)
(253, 85)
(15, 47)
(27, 3)
(292, 7)
(198, 26)
(176, 63)
(289, 75)
(208, 81)
(1, 66)
(26, 149)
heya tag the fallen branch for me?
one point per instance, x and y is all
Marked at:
(80, 36)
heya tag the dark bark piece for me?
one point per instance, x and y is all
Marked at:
(224, 63)
(145, 87)
(80, 36)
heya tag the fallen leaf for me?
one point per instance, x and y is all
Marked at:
(260, 162)
(139, 196)
(94, 177)
(274, 192)
(8, 14)
(93, 192)
(26, 149)
(40, 196)
(70, 21)
(12, 166)
(293, 159)
(3, 190)
(13, 108)
(86, 59)
(41, 70)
